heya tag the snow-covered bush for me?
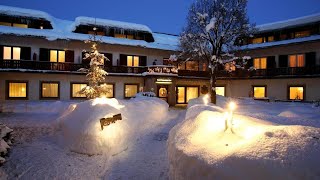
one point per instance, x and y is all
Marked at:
(5, 141)
(201, 148)
(81, 129)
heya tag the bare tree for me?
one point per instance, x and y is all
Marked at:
(212, 30)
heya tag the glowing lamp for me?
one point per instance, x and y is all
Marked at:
(232, 106)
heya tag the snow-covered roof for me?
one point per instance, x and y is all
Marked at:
(63, 29)
(289, 23)
(279, 43)
(81, 20)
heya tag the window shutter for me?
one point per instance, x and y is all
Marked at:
(25, 53)
(123, 60)
(44, 54)
(143, 61)
(70, 56)
(283, 61)
(271, 62)
(249, 63)
(310, 59)
(108, 63)
(1, 52)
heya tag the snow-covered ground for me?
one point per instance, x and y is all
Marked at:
(38, 152)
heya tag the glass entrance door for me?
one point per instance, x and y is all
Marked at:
(163, 92)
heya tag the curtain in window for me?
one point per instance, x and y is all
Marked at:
(53, 55)
(256, 63)
(263, 63)
(292, 61)
(76, 88)
(192, 92)
(136, 61)
(181, 95)
(300, 60)
(50, 90)
(129, 60)
(6, 52)
(62, 56)
(17, 89)
(16, 53)
(131, 90)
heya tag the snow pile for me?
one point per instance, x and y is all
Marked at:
(81, 128)
(288, 114)
(201, 148)
(5, 141)
(34, 107)
(81, 20)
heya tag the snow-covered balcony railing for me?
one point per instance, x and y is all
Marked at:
(193, 73)
(39, 65)
(126, 69)
(285, 71)
(162, 69)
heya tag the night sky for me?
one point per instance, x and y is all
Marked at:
(162, 15)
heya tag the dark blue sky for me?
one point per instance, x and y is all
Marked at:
(162, 15)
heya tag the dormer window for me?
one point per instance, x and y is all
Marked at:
(257, 40)
(301, 34)
(14, 24)
(24, 22)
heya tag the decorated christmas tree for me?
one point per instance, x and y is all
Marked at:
(95, 73)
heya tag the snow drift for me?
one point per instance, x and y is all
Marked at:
(82, 132)
(200, 148)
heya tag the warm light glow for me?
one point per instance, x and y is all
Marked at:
(111, 102)
(232, 106)
(206, 99)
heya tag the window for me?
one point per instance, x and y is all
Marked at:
(296, 60)
(301, 34)
(99, 33)
(130, 90)
(17, 89)
(192, 65)
(57, 56)
(109, 89)
(124, 36)
(185, 94)
(220, 90)
(257, 40)
(50, 90)
(132, 60)
(259, 91)
(76, 88)
(270, 38)
(296, 93)
(14, 24)
(260, 63)
(11, 53)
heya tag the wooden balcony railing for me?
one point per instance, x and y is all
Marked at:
(239, 73)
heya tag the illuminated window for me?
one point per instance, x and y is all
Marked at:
(108, 89)
(76, 88)
(270, 38)
(296, 93)
(11, 53)
(17, 89)
(124, 36)
(5, 24)
(302, 34)
(192, 65)
(130, 90)
(259, 92)
(57, 56)
(260, 63)
(14, 24)
(220, 90)
(129, 36)
(50, 90)
(100, 33)
(20, 25)
(257, 40)
(185, 94)
(133, 61)
(296, 60)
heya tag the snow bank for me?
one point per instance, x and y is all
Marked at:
(35, 106)
(82, 132)
(200, 148)
(5, 141)
(288, 114)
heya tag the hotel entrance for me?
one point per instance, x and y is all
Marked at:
(162, 92)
